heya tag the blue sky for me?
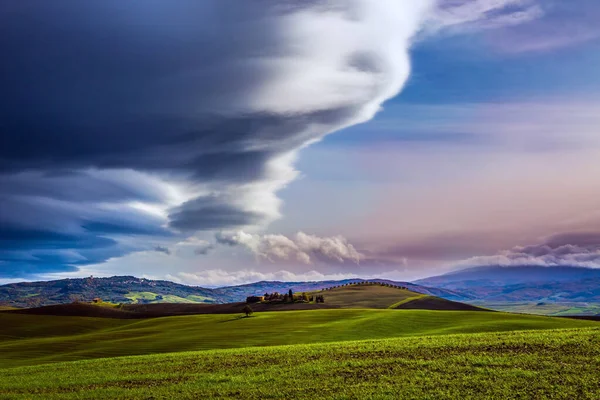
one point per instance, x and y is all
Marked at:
(465, 133)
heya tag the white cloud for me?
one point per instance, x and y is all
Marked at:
(316, 68)
(219, 277)
(517, 26)
(302, 248)
(476, 15)
(571, 255)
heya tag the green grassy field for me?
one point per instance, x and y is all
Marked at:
(378, 296)
(362, 348)
(36, 339)
(554, 364)
(366, 296)
(167, 298)
(546, 308)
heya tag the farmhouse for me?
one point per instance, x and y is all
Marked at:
(255, 299)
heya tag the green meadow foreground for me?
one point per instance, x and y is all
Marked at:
(36, 339)
(555, 364)
(369, 350)
(551, 309)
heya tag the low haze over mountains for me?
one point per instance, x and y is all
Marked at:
(526, 283)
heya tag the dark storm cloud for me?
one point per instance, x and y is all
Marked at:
(108, 104)
(114, 86)
(89, 186)
(210, 212)
(38, 234)
(27, 252)
(14, 238)
(15, 269)
(35, 213)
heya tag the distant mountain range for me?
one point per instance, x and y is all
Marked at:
(480, 285)
(129, 289)
(522, 284)
(117, 289)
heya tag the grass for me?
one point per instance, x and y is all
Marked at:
(406, 300)
(167, 298)
(135, 296)
(366, 296)
(200, 299)
(546, 308)
(384, 297)
(554, 364)
(35, 339)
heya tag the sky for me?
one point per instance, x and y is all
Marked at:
(223, 142)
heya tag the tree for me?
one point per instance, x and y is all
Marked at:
(291, 294)
(248, 310)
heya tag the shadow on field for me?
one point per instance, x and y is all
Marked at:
(237, 318)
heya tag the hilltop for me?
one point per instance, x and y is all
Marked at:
(382, 295)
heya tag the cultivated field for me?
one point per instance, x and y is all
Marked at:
(555, 364)
(379, 297)
(360, 344)
(541, 308)
(35, 339)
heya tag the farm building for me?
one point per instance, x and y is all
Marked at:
(255, 299)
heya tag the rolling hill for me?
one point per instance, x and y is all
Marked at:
(368, 342)
(116, 289)
(240, 292)
(376, 295)
(132, 290)
(37, 339)
(360, 295)
(540, 290)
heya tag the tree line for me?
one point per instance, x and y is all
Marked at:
(289, 297)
